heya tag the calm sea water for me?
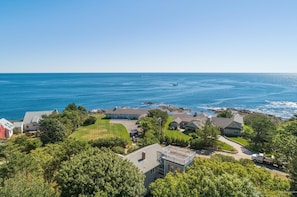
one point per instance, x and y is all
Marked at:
(269, 93)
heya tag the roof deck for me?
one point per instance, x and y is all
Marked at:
(178, 155)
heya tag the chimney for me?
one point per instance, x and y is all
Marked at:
(143, 155)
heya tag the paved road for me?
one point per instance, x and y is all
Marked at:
(129, 124)
(242, 152)
(246, 154)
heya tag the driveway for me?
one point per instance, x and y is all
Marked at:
(128, 124)
(241, 151)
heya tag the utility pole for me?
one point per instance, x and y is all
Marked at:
(160, 125)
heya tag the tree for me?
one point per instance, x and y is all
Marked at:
(52, 130)
(48, 159)
(148, 123)
(24, 143)
(264, 129)
(90, 120)
(77, 114)
(225, 113)
(102, 171)
(109, 142)
(293, 173)
(27, 186)
(227, 177)
(157, 113)
(284, 146)
(206, 137)
(290, 127)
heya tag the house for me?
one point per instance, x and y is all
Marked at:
(147, 161)
(195, 124)
(6, 128)
(31, 119)
(174, 158)
(2, 132)
(125, 113)
(229, 126)
(188, 122)
(18, 127)
(154, 161)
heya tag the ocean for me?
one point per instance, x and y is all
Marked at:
(274, 94)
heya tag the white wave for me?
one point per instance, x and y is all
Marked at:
(283, 109)
(282, 104)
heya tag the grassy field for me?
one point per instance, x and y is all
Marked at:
(240, 140)
(224, 146)
(174, 133)
(101, 129)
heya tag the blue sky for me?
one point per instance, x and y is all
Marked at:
(148, 36)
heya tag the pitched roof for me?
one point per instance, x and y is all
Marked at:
(238, 118)
(188, 117)
(177, 120)
(35, 116)
(18, 124)
(6, 124)
(151, 157)
(221, 122)
(224, 122)
(127, 111)
(198, 123)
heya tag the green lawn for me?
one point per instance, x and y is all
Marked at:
(174, 133)
(101, 129)
(224, 146)
(240, 140)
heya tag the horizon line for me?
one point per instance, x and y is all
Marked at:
(132, 72)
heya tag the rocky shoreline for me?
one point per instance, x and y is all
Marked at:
(176, 109)
(245, 112)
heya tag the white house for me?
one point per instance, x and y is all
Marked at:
(155, 161)
(18, 127)
(7, 128)
(31, 119)
(125, 113)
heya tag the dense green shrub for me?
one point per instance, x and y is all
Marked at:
(109, 142)
(90, 120)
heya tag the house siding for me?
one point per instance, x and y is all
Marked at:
(2, 132)
(151, 176)
(31, 126)
(171, 167)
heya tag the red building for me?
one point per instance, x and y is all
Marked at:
(2, 132)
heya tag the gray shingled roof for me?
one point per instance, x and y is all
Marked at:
(35, 116)
(224, 122)
(221, 122)
(199, 124)
(151, 158)
(238, 118)
(127, 111)
(188, 117)
(177, 120)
